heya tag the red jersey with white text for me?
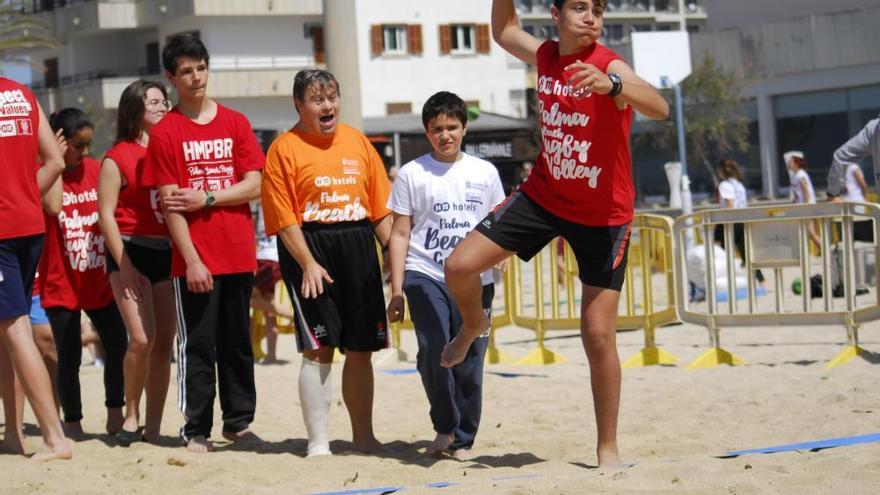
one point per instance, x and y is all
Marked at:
(138, 211)
(21, 213)
(209, 157)
(74, 255)
(584, 171)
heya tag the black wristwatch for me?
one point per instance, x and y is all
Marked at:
(616, 84)
(209, 199)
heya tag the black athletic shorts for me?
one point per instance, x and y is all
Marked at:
(150, 256)
(350, 314)
(521, 225)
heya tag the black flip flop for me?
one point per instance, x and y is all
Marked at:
(125, 438)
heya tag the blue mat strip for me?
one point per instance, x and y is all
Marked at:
(811, 445)
(364, 491)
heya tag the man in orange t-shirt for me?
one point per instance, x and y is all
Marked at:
(324, 193)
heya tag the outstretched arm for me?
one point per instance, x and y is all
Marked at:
(634, 91)
(507, 32)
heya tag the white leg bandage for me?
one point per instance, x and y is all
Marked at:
(315, 392)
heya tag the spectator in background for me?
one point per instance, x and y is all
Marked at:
(732, 194)
(801, 187)
(864, 144)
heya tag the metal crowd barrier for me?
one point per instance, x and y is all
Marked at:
(545, 292)
(777, 241)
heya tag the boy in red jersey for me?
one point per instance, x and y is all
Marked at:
(581, 189)
(206, 161)
(25, 137)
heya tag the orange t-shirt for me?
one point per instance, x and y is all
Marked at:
(310, 178)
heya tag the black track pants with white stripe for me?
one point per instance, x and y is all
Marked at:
(213, 329)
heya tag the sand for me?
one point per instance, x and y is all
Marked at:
(537, 432)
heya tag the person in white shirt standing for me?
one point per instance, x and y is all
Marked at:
(732, 194)
(801, 186)
(436, 200)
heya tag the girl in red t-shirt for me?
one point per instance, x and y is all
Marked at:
(139, 261)
(73, 279)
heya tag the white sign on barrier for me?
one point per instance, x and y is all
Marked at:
(775, 243)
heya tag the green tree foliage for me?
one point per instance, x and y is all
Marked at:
(715, 120)
(21, 31)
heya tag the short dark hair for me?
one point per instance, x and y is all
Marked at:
(444, 103)
(70, 120)
(305, 78)
(183, 45)
(132, 106)
(559, 3)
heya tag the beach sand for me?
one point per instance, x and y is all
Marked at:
(538, 431)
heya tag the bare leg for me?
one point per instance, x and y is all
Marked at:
(13, 405)
(138, 319)
(159, 371)
(46, 345)
(357, 391)
(269, 329)
(474, 255)
(28, 365)
(599, 336)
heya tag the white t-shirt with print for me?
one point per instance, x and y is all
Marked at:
(734, 190)
(853, 189)
(267, 249)
(800, 196)
(445, 201)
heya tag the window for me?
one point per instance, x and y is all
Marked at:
(398, 108)
(50, 65)
(393, 39)
(396, 39)
(317, 35)
(153, 65)
(613, 34)
(464, 38)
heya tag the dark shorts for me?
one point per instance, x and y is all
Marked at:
(19, 257)
(521, 225)
(150, 256)
(268, 275)
(350, 314)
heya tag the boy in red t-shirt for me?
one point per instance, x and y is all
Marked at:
(580, 189)
(26, 139)
(206, 161)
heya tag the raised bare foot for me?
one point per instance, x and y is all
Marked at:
(74, 430)
(440, 445)
(245, 435)
(608, 457)
(369, 446)
(61, 451)
(199, 445)
(455, 351)
(115, 419)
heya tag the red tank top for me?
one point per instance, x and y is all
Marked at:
(137, 211)
(584, 171)
(74, 254)
(20, 209)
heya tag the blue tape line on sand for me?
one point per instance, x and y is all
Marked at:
(812, 445)
(404, 371)
(507, 374)
(519, 477)
(364, 491)
(441, 484)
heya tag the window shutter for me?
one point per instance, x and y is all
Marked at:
(376, 41)
(445, 38)
(414, 39)
(318, 44)
(483, 42)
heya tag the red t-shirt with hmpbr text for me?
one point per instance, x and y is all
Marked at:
(584, 171)
(209, 157)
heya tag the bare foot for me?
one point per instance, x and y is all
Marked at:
(74, 430)
(608, 457)
(62, 451)
(440, 445)
(369, 446)
(13, 444)
(199, 445)
(269, 360)
(461, 454)
(455, 351)
(115, 419)
(245, 435)
(152, 437)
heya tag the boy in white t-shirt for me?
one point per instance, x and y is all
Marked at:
(436, 200)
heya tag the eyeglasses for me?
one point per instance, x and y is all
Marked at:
(156, 103)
